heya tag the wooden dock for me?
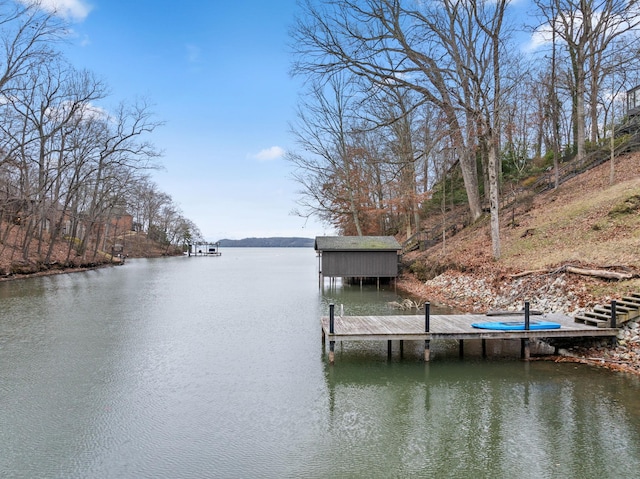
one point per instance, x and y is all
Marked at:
(453, 327)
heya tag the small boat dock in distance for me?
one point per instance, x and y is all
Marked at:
(204, 249)
(451, 326)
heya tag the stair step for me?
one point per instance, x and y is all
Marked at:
(598, 314)
(631, 301)
(627, 302)
(627, 308)
(622, 314)
(634, 309)
(590, 321)
(619, 307)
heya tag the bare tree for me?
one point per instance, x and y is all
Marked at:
(392, 114)
(120, 147)
(328, 170)
(385, 42)
(448, 51)
(591, 31)
(26, 35)
(66, 165)
(48, 104)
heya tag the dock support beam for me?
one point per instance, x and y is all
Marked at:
(614, 322)
(525, 349)
(614, 313)
(332, 344)
(427, 325)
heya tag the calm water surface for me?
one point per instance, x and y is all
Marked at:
(213, 367)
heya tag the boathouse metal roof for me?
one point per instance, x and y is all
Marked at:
(357, 243)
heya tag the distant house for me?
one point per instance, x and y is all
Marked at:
(358, 257)
(633, 101)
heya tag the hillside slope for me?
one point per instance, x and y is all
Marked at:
(586, 222)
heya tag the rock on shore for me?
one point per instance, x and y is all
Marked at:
(478, 294)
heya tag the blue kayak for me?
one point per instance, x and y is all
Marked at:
(516, 325)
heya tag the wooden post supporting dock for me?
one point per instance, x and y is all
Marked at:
(614, 322)
(525, 346)
(332, 344)
(427, 325)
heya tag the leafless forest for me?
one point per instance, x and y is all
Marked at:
(411, 107)
(74, 170)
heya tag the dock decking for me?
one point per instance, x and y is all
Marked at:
(456, 327)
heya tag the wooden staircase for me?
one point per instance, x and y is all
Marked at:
(627, 309)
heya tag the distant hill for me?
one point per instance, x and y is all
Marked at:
(268, 243)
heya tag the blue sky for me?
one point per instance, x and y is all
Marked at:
(216, 72)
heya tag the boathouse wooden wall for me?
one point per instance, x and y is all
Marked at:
(368, 264)
(358, 257)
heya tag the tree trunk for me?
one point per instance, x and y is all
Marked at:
(494, 202)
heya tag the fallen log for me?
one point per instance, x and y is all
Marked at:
(599, 273)
(528, 272)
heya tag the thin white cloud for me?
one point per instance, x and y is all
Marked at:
(541, 36)
(193, 53)
(269, 154)
(76, 10)
(85, 111)
(85, 41)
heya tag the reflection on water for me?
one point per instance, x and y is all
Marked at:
(356, 300)
(213, 367)
(479, 419)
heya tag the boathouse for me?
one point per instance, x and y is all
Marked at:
(204, 249)
(358, 257)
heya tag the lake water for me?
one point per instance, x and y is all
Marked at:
(213, 367)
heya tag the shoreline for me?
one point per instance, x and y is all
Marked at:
(55, 271)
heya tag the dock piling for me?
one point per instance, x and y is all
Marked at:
(331, 318)
(427, 325)
(614, 322)
(427, 317)
(524, 346)
(332, 344)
